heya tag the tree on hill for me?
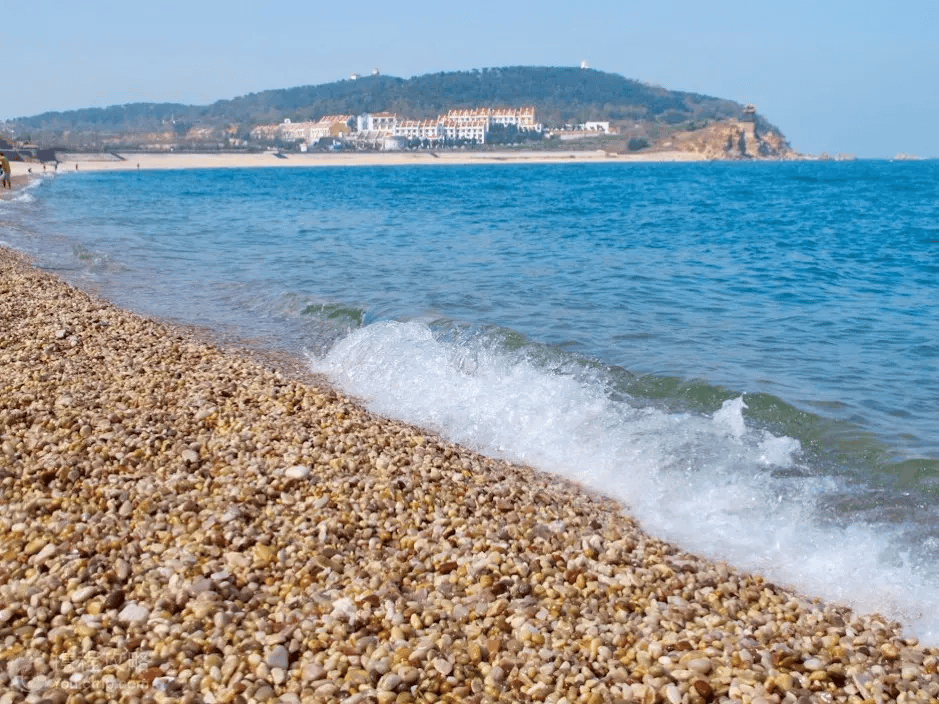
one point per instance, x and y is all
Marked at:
(560, 95)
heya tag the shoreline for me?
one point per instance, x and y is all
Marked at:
(128, 161)
(214, 528)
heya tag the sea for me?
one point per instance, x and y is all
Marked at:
(746, 355)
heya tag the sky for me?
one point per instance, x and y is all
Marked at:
(837, 76)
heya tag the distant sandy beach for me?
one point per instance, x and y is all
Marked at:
(133, 161)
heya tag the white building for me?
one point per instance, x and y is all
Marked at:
(597, 127)
(419, 129)
(468, 125)
(381, 122)
(462, 127)
(522, 118)
(265, 133)
(307, 131)
(393, 143)
(296, 131)
(330, 126)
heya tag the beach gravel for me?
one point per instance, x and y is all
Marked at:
(183, 523)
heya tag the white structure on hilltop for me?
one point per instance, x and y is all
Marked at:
(584, 64)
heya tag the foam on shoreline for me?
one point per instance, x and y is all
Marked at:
(184, 521)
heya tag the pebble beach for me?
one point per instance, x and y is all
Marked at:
(182, 521)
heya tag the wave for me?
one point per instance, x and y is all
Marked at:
(718, 483)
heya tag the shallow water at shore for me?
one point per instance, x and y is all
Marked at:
(744, 354)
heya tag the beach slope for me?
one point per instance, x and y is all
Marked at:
(181, 522)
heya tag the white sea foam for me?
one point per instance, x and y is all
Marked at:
(712, 485)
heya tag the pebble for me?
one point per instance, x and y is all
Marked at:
(281, 543)
(444, 667)
(82, 594)
(297, 472)
(133, 613)
(278, 657)
(389, 682)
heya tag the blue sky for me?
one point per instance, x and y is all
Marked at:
(857, 77)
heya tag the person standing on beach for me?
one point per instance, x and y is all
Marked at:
(5, 168)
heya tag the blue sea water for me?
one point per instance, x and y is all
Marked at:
(746, 354)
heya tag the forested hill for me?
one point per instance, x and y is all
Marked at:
(560, 95)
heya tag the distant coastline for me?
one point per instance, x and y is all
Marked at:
(128, 161)
(22, 171)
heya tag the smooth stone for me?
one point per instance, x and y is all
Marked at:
(263, 553)
(444, 667)
(114, 599)
(34, 546)
(264, 693)
(82, 594)
(311, 673)
(389, 682)
(206, 412)
(700, 665)
(47, 552)
(297, 472)
(84, 629)
(673, 694)
(278, 657)
(133, 613)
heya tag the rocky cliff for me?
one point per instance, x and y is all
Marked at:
(733, 139)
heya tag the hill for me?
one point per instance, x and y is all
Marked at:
(560, 95)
